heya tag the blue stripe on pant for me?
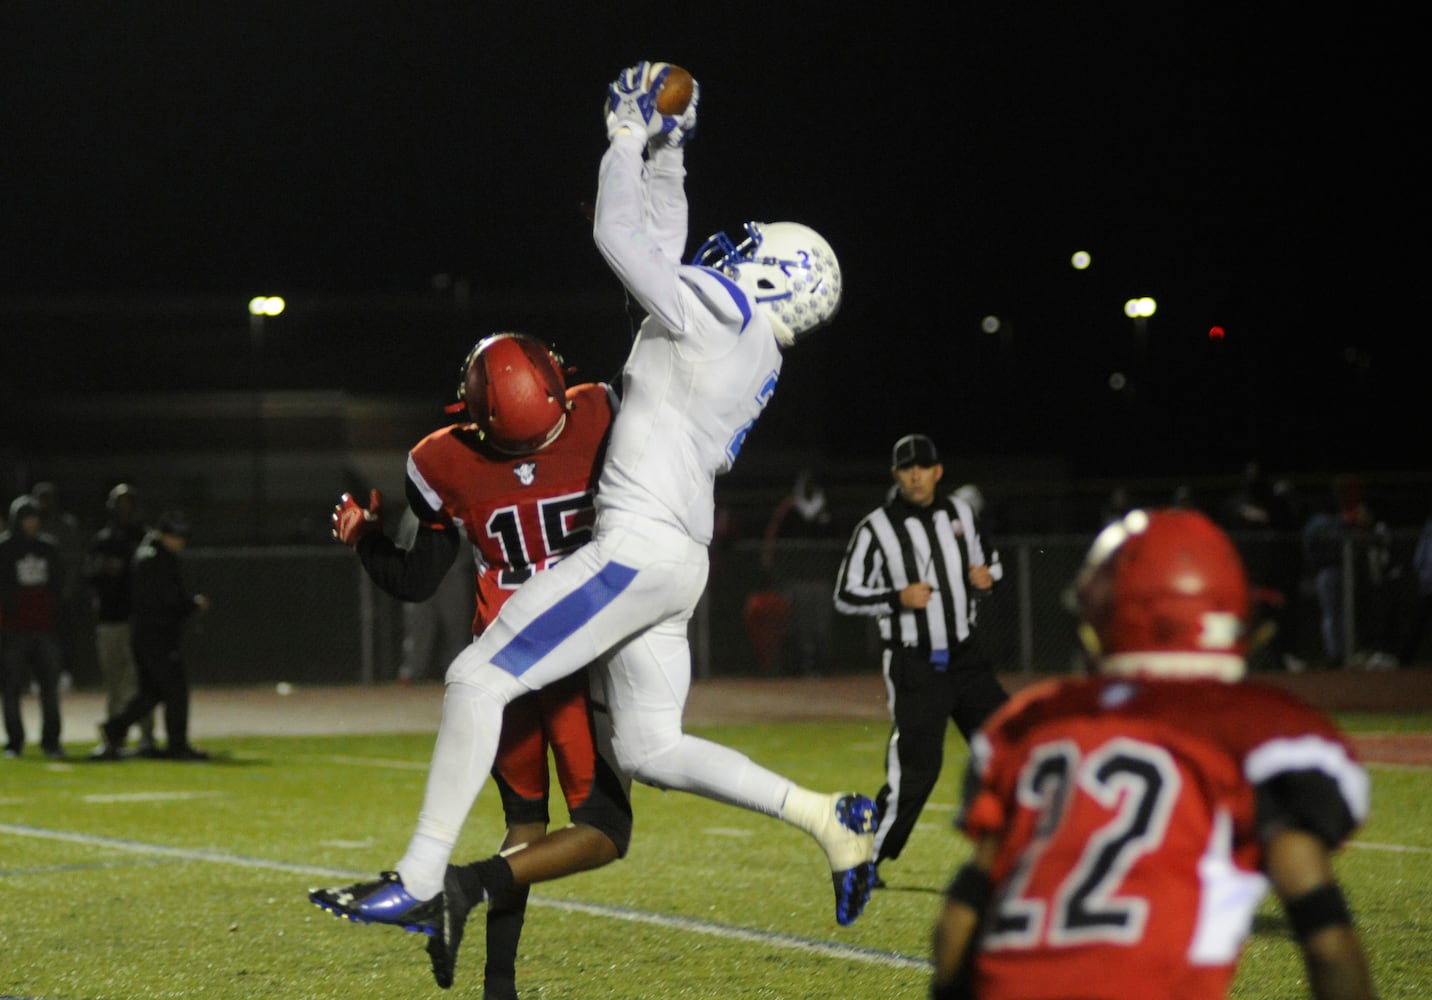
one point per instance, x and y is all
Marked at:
(559, 622)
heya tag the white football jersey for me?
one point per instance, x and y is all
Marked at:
(704, 363)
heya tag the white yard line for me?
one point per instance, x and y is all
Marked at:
(788, 942)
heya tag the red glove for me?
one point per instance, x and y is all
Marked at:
(351, 522)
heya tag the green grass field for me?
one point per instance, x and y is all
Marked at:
(157, 879)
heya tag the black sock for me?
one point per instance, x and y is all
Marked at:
(496, 875)
(485, 878)
(506, 913)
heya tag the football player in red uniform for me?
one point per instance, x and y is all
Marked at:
(1127, 825)
(517, 477)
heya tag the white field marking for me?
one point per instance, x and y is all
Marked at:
(1396, 848)
(160, 850)
(789, 942)
(147, 796)
(397, 765)
(728, 831)
(346, 844)
(769, 939)
(1397, 767)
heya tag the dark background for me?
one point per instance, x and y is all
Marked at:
(1257, 171)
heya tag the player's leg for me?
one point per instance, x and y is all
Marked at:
(600, 830)
(522, 778)
(649, 678)
(551, 627)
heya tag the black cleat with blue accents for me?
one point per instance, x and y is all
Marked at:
(383, 901)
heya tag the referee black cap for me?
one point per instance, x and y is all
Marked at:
(914, 449)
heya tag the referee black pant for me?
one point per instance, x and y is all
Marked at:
(923, 697)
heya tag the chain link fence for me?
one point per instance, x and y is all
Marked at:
(308, 615)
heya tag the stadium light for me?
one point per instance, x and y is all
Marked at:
(261, 307)
(1140, 308)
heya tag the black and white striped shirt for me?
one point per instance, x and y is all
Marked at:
(900, 544)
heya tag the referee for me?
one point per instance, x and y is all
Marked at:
(918, 564)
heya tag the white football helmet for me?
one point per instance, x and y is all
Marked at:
(787, 269)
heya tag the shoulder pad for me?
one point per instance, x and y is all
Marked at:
(719, 293)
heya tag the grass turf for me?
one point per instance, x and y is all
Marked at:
(150, 879)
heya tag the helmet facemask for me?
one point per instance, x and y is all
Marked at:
(787, 269)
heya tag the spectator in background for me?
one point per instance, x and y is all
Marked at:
(108, 571)
(1127, 825)
(1116, 505)
(990, 521)
(32, 582)
(1422, 612)
(798, 571)
(75, 623)
(161, 606)
(1260, 522)
(919, 564)
(1347, 551)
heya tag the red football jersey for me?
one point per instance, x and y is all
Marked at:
(521, 512)
(1129, 815)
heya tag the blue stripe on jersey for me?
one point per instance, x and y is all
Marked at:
(742, 303)
(549, 629)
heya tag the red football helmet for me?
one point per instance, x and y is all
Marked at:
(1164, 592)
(515, 393)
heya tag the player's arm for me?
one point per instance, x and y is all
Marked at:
(1300, 870)
(957, 924)
(412, 574)
(1307, 807)
(666, 208)
(636, 254)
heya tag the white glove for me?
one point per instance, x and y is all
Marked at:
(631, 102)
(685, 129)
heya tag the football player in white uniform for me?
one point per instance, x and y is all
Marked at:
(703, 366)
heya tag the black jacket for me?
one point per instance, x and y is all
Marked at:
(161, 602)
(107, 570)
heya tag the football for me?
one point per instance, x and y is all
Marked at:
(674, 94)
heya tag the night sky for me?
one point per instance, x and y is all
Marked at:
(1262, 173)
